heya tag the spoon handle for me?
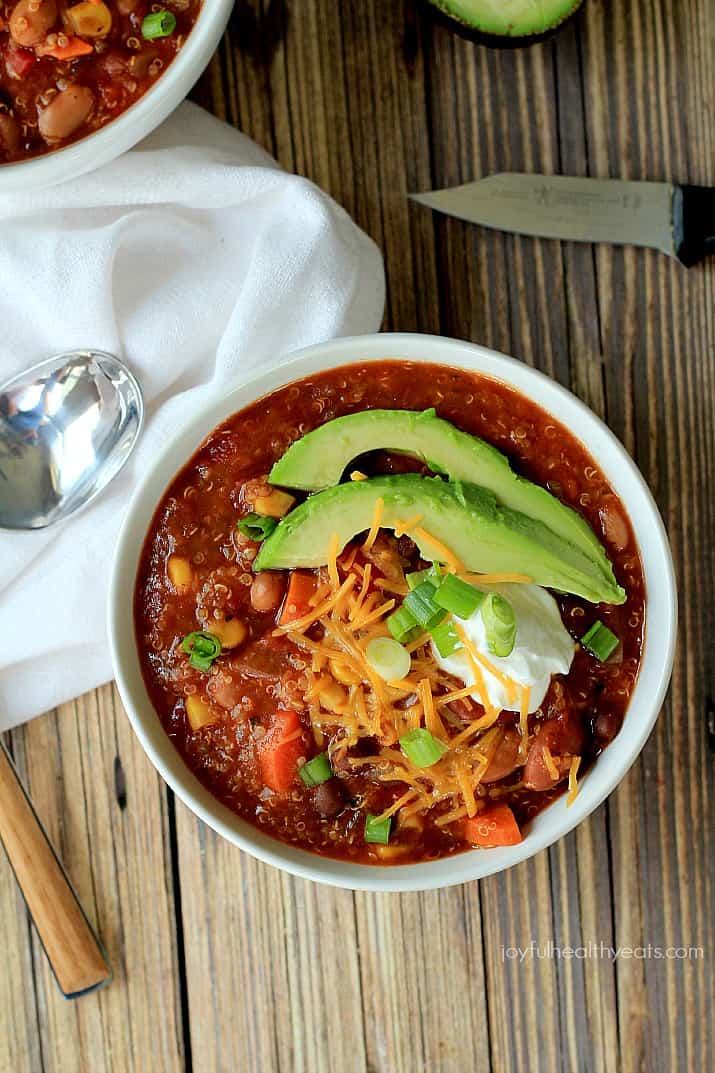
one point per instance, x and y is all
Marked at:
(72, 948)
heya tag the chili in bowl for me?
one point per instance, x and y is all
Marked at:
(377, 619)
(80, 82)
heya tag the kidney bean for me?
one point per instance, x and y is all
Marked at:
(564, 739)
(615, 526)
(31, 21)
(606, 725)
(506, 758)
(65, 113)
(329, 799)
(267, 590)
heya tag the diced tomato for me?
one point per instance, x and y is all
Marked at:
(279, 751)
(495, 826)
(301, 589)
(19, 61)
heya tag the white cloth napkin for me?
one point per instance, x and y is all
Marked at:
(192, 257)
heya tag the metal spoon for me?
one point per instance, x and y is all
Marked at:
(67, 426)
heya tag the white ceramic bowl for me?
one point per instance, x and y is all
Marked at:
(554, 821)
(134, 124)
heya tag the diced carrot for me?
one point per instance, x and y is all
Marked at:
(301, 588)
(495, 826)
(75, 47)
(279, 751)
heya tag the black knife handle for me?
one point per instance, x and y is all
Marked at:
(693, 223)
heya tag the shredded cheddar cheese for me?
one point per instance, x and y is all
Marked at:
(524, 699)
(357, 475)
(347, 700)
(333, 550)
(376, 523)
(322, 609)
(443, 552)
(573, 784)
(402, 527)
(549, 762)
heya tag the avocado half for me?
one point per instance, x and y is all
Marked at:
(510, 22)
(466, 520)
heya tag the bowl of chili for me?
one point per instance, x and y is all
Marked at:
(82, 83)
(288, 649)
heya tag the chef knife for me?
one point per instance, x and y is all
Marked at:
(678, 220)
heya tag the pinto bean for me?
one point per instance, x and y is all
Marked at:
(65, 113)
(31, 21)
(506, 758)
(267, 590)
(125, 7)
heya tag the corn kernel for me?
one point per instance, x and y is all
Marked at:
(388, 853)
(342, 673)
(90, 19)
(332, 696)
(274, 505)
(198, 712)
(180, 573)
(230, 632)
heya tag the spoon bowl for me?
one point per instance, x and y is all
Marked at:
(67, 426)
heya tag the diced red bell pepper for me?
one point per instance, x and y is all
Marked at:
(495, 826)
(301, 589)
(279, 750)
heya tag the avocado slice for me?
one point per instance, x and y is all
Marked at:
(319, 458)
(508, 18)
(466, 519)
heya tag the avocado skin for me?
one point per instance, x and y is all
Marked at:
(467, 519)
(489, 40)
(318, 459)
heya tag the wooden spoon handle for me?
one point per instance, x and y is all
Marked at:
(72, 948)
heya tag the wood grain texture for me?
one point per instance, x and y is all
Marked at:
(224, 964)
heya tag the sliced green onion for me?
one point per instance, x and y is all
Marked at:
(257, 526)
(600, 641)
(403, 626)
(499, 623)
(446, 638)
(420, 603)
(458, 597)
(431, 573)
(316, 770)
(388, 658)
(416, 578)
(421, 747)
(202, 647)
(158, 24)
(377, 830)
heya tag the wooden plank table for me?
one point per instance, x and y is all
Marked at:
(223, 964)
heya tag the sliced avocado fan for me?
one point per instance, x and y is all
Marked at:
(462, 518)
(508, 18)
(318, 460)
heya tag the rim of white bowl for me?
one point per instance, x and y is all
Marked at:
(139, 120)
(656, 662)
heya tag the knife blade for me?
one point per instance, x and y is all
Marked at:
(677, 220)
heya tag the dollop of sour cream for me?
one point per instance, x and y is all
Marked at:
(543, 647)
